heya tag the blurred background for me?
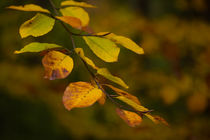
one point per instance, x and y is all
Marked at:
(172, 77)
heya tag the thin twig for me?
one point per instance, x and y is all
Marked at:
(86, 66)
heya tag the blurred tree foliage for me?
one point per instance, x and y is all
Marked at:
(173, 77)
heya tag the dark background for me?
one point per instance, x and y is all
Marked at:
(172, 77)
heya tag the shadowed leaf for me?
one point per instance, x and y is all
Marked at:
(57, 65)
(80, 52)
(29, 7)
(75, 3)
(37, 26)
(72, 21)
(131, 118)
(37, 47)
(123, 93)
(80, 94)
(103, 48)
(76, 12)
(105, 73)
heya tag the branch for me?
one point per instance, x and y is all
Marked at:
(86, 66)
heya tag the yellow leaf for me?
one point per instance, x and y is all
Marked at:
(103, 48)
(131, 118)
(80, 94)
(102, 100)
(123, 93)
(76, 12)
(125, 42)
(75, 3)
(80, 52)
(29, 7)
(105, 73)
(37, 26)
(57, 65)
(72, 21)
(37, 47)
(137, 107)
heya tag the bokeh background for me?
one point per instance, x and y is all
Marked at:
(172, 77)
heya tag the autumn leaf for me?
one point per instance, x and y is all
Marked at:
(75, 3)
(124, 93)
(131, 118)
(80, 94)
(124, 41)
(29, 7)
(102, 100)
(72, 21)
(76, 12)
(103, 48)
(140, 108)
(80, 52)
(37, 47)
(57, 65)
(37, 26)
(105, 73)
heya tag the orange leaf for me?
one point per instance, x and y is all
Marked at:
(123, 93)
(57, 65)
(72, 21)
(131, 118)
(102, 100)
(80, 94)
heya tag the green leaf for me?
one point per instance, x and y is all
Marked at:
(75, 3)
(37, 47)
(29, 7)
(105, 73)
(124, 41)
(80, 52)
(37, 26)
(103, 48)
(76, 12)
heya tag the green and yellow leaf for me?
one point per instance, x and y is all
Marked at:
(75, 3)
(29, 7)
(76, 12)
(37, 47)
(103, 48)
(124, 93)
(80, 52)
(72, 21)
(37, 26)
(124, 41)
(57, 65)
(80, 94)
(105, 73)
(131, 118)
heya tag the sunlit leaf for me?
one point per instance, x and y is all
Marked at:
(75, 3)
(137, 107)
(105, 73)
(76, 12)
(80, 52)
(37, 26)
(57, 65)
(72, 21)
(29, 7)
(103, 48)
(123, 93)
(125, 42)
(37, 47)
(131, 118)
(80, 94)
